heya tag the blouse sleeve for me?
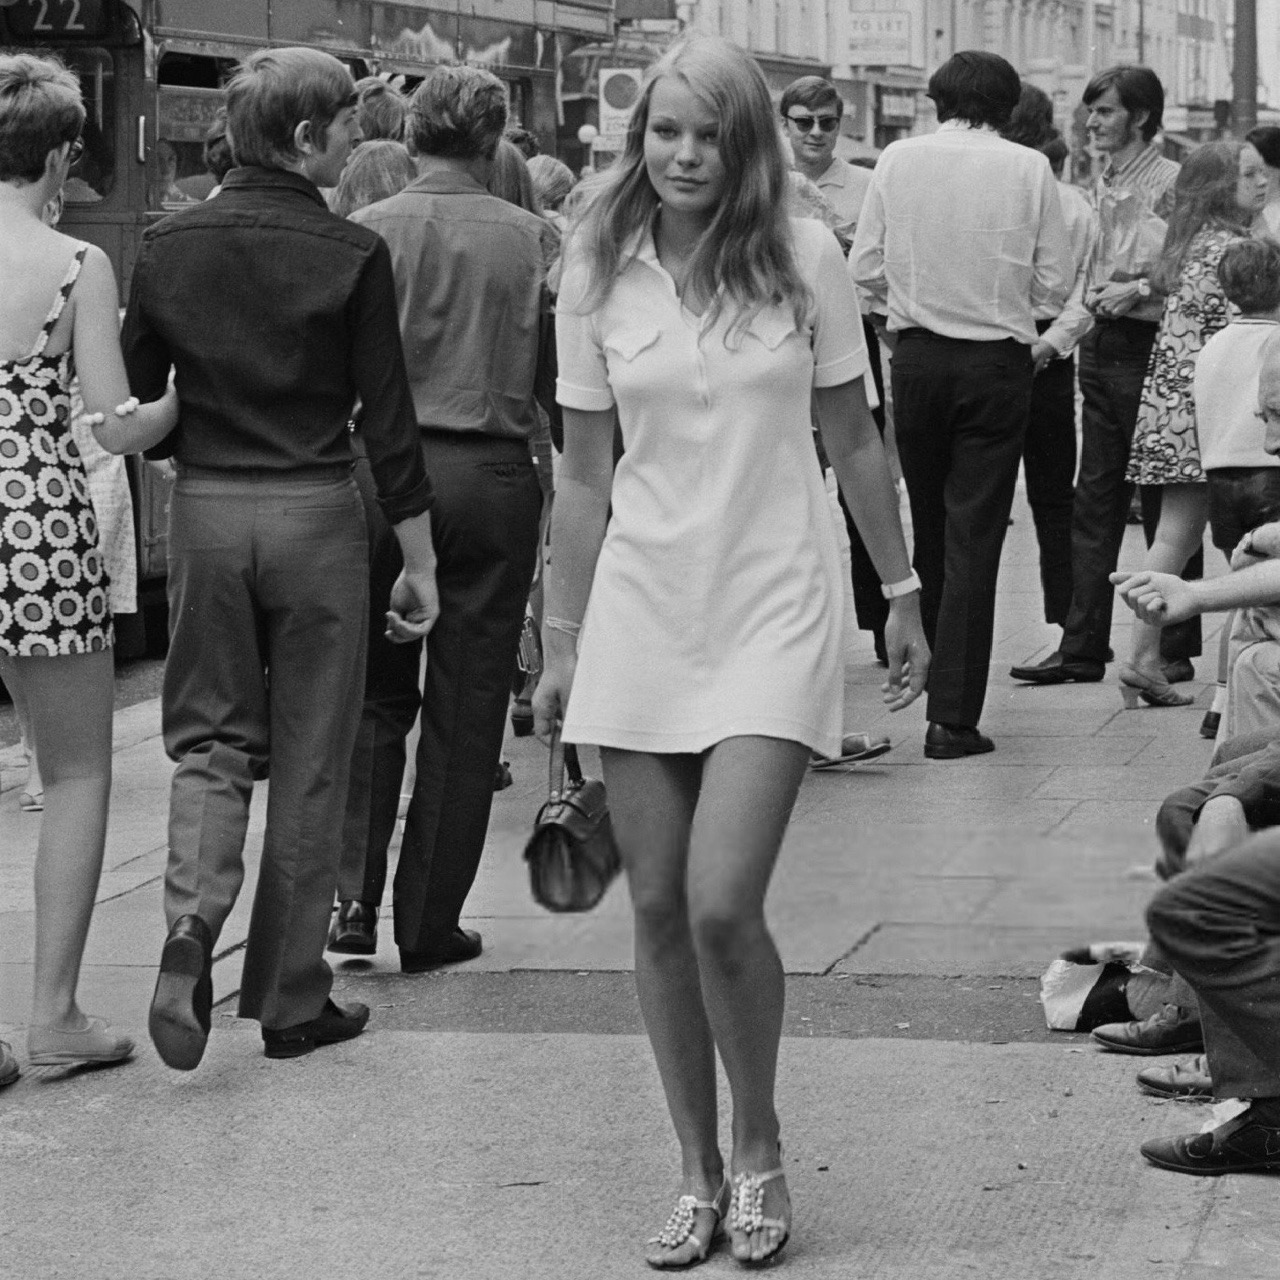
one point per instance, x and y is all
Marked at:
(839, 349)
(583, 379)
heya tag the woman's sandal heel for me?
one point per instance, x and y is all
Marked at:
(746, 1214)
(679, 1229)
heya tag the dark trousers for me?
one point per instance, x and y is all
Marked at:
(1113, 366)
(267, 597)
(1219, 925)
(960, 410)
(870, 606)
(1049, 463)
(485, 529)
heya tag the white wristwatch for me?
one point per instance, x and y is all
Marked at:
(892, 590)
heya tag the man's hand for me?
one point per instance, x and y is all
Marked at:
(1041, 354)
(415, 606)
(907, 651)
(1220, 826)
(1116, 298)
(1157, 598)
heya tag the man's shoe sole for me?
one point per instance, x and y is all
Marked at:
(955, 753)
(353, 945)
(1142, 1051)
(1058, 676)
(182, 987)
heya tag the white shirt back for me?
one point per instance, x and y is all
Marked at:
(962, 233)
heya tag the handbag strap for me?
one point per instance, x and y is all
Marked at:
(563, 762)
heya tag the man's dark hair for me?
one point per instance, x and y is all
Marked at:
(1056, 151)
(1265, 140)
(524, 140)
(275, 90)
(458, 113)
(1249, 272)
(1138, 88)
(1031, 122)
(813, 93)
(977, 87)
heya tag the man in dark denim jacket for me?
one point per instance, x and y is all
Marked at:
(276, 316)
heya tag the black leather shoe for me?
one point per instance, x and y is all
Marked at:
(354, 931)
(1178, 671)
(1172, 1030)
(1059, 669)
(335, 1023)
(952, 741)
(1188, 1079)
(460, 945)
(1244, 1144)
(183, 999)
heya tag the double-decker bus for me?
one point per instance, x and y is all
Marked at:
(152, 73)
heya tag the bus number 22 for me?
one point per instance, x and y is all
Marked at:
(72, 22)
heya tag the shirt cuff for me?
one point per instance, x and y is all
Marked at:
(404, 506)
(588, 399)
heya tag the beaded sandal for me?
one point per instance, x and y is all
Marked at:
(746, 1214)
(679, 1229)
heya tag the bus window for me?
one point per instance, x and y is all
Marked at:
(188, 98)
(93, 175)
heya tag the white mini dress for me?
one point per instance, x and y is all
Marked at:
(715, 610)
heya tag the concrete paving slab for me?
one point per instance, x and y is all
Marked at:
(1096, 906)
(550, 1156)
(1146, 783)
(976, 950)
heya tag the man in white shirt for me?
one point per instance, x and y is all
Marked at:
(961, 237)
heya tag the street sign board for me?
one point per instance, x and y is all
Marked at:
(879, 38)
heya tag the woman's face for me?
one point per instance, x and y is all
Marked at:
(1251, 189)
(682, 151)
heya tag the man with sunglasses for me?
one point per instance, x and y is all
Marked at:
(811, 111)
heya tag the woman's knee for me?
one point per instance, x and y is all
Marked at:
(727, 937)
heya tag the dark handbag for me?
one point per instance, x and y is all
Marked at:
(571, 854)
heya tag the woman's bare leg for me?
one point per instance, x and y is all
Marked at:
(749, 786)
(651, 804)
(1184, 511)
(70, 701)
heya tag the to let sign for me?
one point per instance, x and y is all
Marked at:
(879, 37)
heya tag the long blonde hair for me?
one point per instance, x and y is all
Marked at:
(746, 255)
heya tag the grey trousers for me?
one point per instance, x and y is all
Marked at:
(1219, 924)
(268, 589)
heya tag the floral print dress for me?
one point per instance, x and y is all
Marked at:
(53, 586)
(1166, 449)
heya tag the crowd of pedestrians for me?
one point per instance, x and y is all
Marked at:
(413, 330)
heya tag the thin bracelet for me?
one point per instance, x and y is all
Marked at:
(562, 624)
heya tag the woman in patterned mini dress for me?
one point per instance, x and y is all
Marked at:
(58, 318)
(1218, 194)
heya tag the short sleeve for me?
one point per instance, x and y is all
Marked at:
(839, 348)
(583, 379)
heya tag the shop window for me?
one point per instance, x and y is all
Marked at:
(93, 175)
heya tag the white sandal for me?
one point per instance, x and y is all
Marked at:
(746, 1213)
(679, 1229)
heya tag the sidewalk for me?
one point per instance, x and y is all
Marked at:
(507, 1121)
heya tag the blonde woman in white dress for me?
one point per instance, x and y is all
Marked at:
(704, 578)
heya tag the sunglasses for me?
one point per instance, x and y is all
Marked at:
(75, 152)
(827, 124)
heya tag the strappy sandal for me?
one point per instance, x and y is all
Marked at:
(854, 748)
(746, 1214)
(679, 1229)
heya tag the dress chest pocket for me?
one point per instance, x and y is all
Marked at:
(629, 343)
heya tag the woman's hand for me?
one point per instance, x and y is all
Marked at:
(907, 651)
(1113, 299)
(415, 606)
(552, 694)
